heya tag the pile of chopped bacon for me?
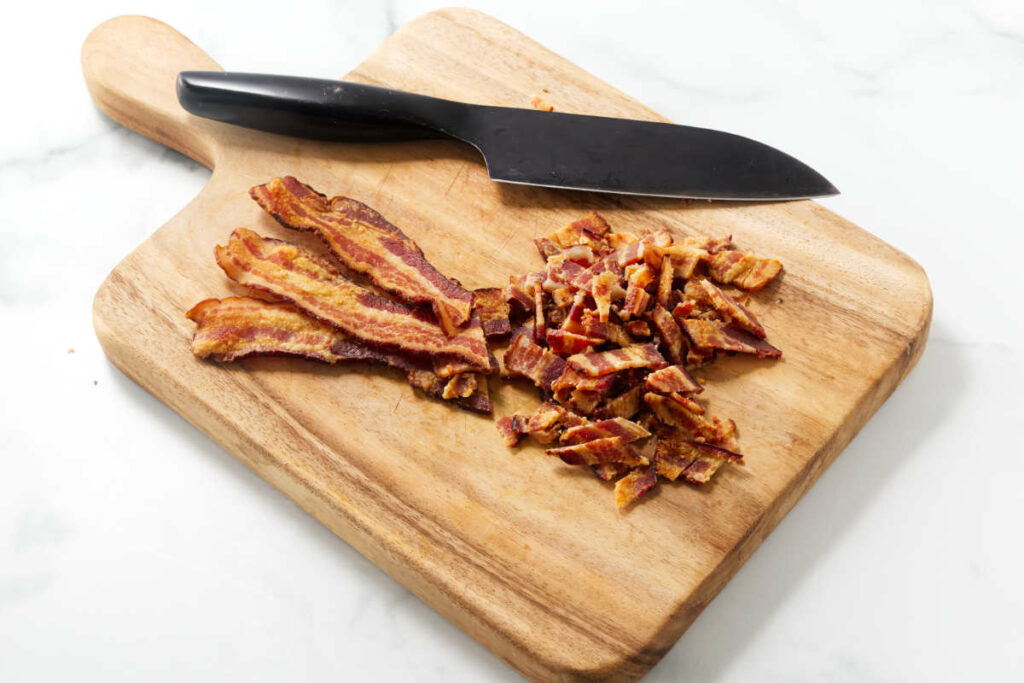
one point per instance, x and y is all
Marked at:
(429, 329)
(610, 330)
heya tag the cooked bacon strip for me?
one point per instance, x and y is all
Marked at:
(584, 402)
(598, 452)
(513, 428)
(566, 343)
(624, 405)
(237, 327)
(684, 258)
(603, 288)
(460, 386)
(570, 379)
(529, 360)
(610, 471)
(664, 283)
(732, 310)
(674, 378)
(605, 362)
(494, 311)
(297, 275)
(637, 301)
(671, 336)
(638, 329)
(367, 243)
(712, 334)
(707, 459)
(676, 410)
(617, 240)
(634, 485)
(549, 420)
(520, 291)
(539, 324)
(671, 456)
(587, 230)
(616, 426)
(746, 271)
(725, 434)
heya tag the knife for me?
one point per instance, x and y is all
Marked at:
(528, 146)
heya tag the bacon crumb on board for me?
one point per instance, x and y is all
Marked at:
(619, 323)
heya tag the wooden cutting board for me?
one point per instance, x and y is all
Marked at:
(527, 555)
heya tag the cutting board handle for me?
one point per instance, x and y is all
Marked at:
(130, 65)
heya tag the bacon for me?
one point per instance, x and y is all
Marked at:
(712, 334)
(614, 360)
(746, 271)
(367, 243)
(664, 283)
(512, 428)
(696, 462)
(672, 337)
(674, 378)
(637, 301)
(493, 310)
(587, 230)
(603, 288)
(237, 327)
(295, 274)
(671, 457)
(580, 254)
(634, 485)
(529, 360)
(539, 324)
(598, 452)
(520, 291)
(732, 310)
(549, 420)
(684, 258)
(610, 471)
(571, 379)
(460, 386)
(624, 405)
(567, 343)
(678, 411)
(725, 434)
(616, 426)
(638, 329)
(583, 401)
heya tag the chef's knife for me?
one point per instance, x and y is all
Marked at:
(519, 145)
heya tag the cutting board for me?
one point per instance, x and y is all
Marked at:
(527, 555)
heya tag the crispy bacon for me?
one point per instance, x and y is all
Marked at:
(314, 286)
(598, 452)
(587, 230)
(637, 301)
(610, 471)
(695, 461)
(567, 343)
(604, 362)
(712, 334)
(638, 329)
(626, 404)
(512, 428)
(460, 386)
(520, 291)
(571, 380)
(746, 271)
(616, 426)
(732, 310)
(367, 243)
(664, 283)
(634, 485)
(583, 401)
(237, 327)
(676, 410)
(549, 420)
(671, 457)
(493, 310)
(529, 360)
(674, 378)
(671, 336)
(603, 288)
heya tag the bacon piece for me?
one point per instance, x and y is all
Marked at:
(598, 452)
(592, 325)
(529, 360)
(638, 329)
(712, 334)
(746, 271)
(567, 343)
(520, 291)
(574, 318)
(614, 360)
(237, 327)
(637, 301)
(460, 386)
(671, 456)
(585, 280)
(733, 311)
(580, 254)
(549, 420)
(539, 324)
(616, 426)
(297, 275)
(617, 240)
(603, 288)
(587, 230)
(707, 459)
(584, 402)
(513, 428)
(665, 283)
(634, 485)
(571, 379)
(725, 434)
(610, 471)
(672, 337)
(678, 411)
(493, 310)
(624, 405)
(367, 243)
(684, 258)
(674, 378)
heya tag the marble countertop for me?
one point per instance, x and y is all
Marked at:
(134, 548)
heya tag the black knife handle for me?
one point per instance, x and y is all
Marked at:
(315, 108)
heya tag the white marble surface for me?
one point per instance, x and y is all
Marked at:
(133, 548)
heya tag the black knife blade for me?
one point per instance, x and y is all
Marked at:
(552, 149)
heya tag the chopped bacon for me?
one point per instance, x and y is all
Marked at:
(671, 336)
(712, 334)
(367, 243)
(571, 380)
(598, 452)
(295, 274)
(513, 428)
(566, 343)
(604, 362)
(616, 426)
(676, 410)
(725, 433)
(638, 329)
(684, 258)
(237, 327)
(580, 254)
(539, 324)
(674, 378)
(493, 309)
(634, 485)
(460, 386)
(603, 288)
(549, 420)
(664, 283)
(637, 301)
(707, 459)
(695, 461)
(520, 291)
(583, 401)
(732, 310)
(617, 240)
(587, 230)
(524, 358)
(746, 271)
(671, 457)
(624, 405)
(610, 471)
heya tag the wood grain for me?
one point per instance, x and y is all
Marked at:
(528, 556)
